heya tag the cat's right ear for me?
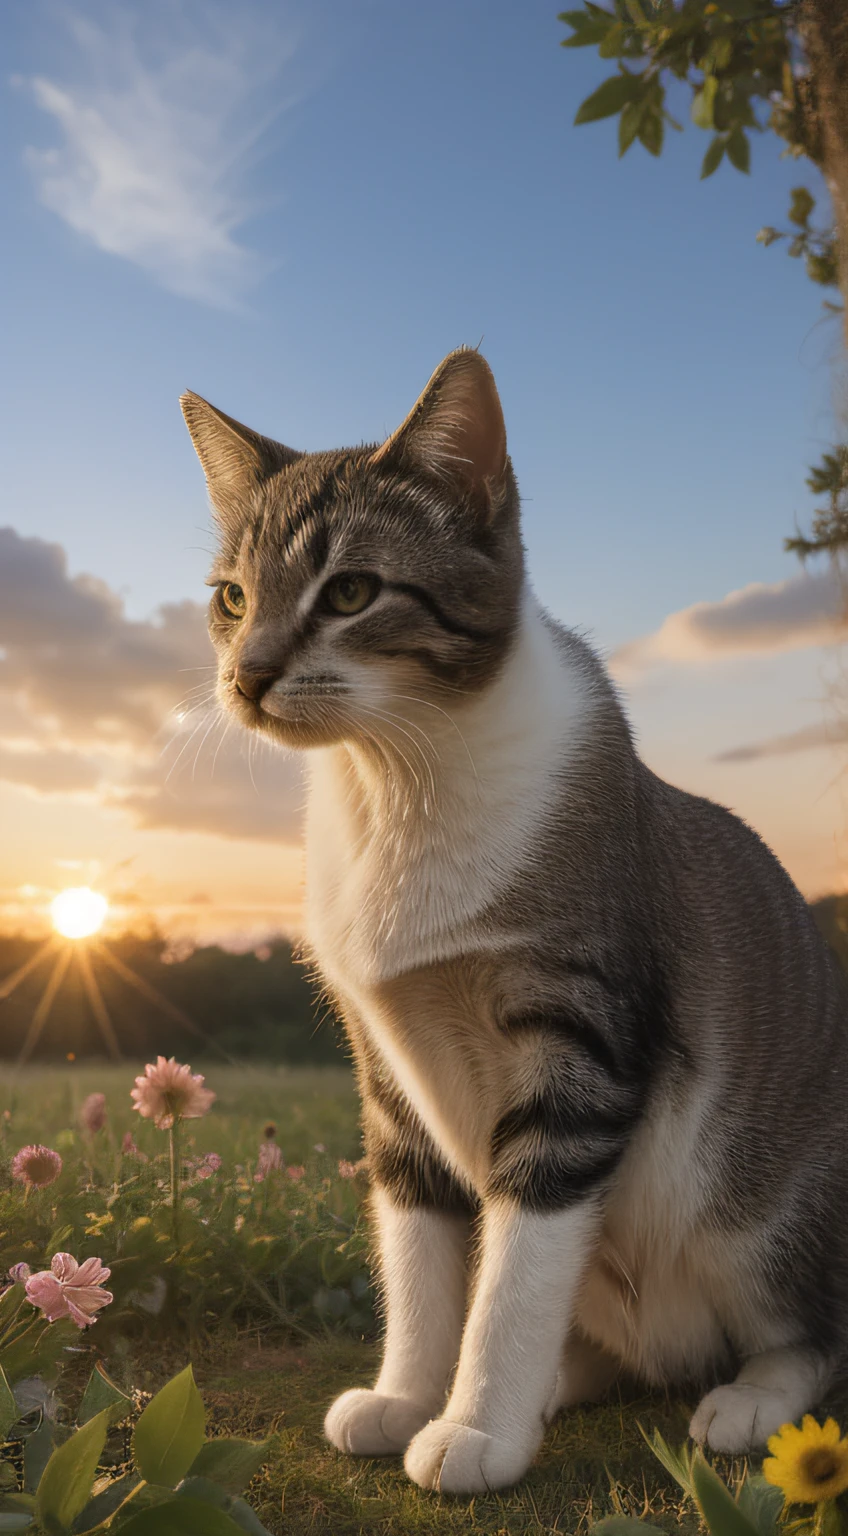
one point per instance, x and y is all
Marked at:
(235, 460)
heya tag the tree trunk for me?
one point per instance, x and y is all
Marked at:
(825, 33)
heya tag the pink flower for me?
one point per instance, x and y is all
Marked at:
(129, 1148)
(296, 1172)
(270, 1160)
(347, 1170)
(19, 1274)
(168, 1092)
(93, 1113)
(202, 1167)
(36, 1166)
(69, 1289)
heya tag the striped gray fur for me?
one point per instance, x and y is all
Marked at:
(602, 1049)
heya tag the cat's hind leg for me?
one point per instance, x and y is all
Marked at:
(585, 1374)
(772, 1389)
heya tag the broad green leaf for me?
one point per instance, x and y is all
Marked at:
(609, 98)
(612, 44)
(101, 1393)
(38, 1448)
(717, 1504)
(762, 1504)
(625, 1525)
(9, 1411)
(65, 1486)
(181, 1517)
(247, 1519)
(739, 150)
(703, 103)
(229, 1462)
(589, 27)
(713, 158)
(104, 1504)
(801, 206)
(651, 130)
(628, 125)
(170, 1432)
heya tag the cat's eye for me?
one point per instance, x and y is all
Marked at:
(233, 599)
(350, 594)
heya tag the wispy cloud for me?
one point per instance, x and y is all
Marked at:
(807, 739)
(790, 615)
(160, 115)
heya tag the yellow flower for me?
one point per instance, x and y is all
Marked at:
(809, 1464)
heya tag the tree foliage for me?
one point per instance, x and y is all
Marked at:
(751, 66)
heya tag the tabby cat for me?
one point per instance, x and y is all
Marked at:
(602, 1050)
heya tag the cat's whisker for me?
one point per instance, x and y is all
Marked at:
(185, 746)
(216, 720)
(428, 704)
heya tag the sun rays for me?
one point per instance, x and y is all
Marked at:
(78, 914)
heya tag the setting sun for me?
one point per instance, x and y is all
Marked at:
(79, 912)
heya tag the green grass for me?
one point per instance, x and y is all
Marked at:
(307, 1104)
(593, 1463)
(265, 1294)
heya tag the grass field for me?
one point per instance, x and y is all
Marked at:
(257, 1370)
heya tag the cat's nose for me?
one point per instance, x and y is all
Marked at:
(252, 682)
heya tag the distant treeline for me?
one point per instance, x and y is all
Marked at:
(264, 1008)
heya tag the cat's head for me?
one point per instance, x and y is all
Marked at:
(352, 586)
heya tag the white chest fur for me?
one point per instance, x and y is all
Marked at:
(398, 872)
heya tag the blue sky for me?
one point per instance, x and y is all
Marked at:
(297, 210)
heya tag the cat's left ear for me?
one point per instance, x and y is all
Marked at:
(456, 430)
(235, 459)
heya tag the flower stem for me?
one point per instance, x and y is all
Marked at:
(174, 1144)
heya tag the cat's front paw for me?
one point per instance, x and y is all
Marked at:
(367, 1424)
(454, 1458)
(740, 1417)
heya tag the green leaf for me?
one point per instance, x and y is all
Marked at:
(247, 1519)
(11, 1301)
(65, 1486)
(703, 103)
(625, 1525)
(651, 129)
(678, 1464)
(229, 1462)
(762, 1504)
(609, 98)
(717, 1504)
(38, 1448)
(589, 27)
(801, 206)
(739, 150)
(628, 125)
(34, 1352)
(612, 44)
(181, 1517)
(104, 1504)
(17, 1521)
(170, 1432)
(101, 1393)
(9, 1411)
(767, 235)
(713, 158)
